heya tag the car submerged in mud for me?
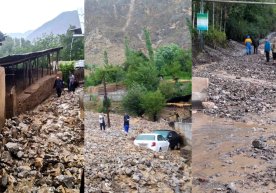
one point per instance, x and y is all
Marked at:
(153, 141)
(176, 141)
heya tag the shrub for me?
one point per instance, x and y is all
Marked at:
(153, 103)
(66, 68)
(215, 38)
(132, 101)
(144, 74)
(167, 89)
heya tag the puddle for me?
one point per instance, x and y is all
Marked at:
(221, 154)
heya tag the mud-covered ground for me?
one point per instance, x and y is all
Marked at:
(234, 144)
(42, 150)
(114, 164)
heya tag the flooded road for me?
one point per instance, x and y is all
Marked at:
(224, 159)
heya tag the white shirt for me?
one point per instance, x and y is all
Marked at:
(101, 118)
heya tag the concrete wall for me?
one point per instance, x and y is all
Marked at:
(2, 96)
(36, 93)
(199, 88)
(186, 129)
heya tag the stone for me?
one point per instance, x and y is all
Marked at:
(67, 181)
(256, 143)
(20, 154)
(12, 147)
(208, 105)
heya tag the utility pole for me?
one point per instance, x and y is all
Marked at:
(200, 32)
(105, 101)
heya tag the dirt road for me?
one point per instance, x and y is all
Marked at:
(244, 95)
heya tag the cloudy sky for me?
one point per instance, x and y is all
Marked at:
(19, 16)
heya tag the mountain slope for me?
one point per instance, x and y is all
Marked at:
(58, 25)
(107, 23)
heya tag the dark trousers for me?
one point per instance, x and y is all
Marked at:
(58, 91)
(255, 49)
(102, 126)
(267, 56)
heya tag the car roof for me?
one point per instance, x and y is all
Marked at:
(163, 130)
(149, 134)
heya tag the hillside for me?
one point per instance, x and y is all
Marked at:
(107, 25)
(58, 25)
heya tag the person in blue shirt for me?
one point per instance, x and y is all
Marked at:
(267, 48)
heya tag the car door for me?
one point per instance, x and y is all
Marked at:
(163, 143)
(175, 138)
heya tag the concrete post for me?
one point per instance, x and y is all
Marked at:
(2, 96)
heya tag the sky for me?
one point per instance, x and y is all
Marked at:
(19, 16)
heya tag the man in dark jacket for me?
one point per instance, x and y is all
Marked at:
(256, 43)
(58, 86)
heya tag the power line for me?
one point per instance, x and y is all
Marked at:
(242, 2)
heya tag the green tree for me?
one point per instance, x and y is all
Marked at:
(67, 40)
(66, 68)
(167, 89)
(105, 58)
(171, 60)
(153, 102)
(132, 100)
(149, 45)
(46, 42)
(144, 74)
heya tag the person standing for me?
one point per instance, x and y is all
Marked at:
(126, 123)
(256, 43)
(58, 86)
(267, 49)
(273, 50)
(248, 43)
(101, 121)
(72, 83)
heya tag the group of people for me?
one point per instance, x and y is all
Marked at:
(248, 45)
(268, 47)
(59, 84)
(126, 122)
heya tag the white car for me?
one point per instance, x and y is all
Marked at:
(153, 141)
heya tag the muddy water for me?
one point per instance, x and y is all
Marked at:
(221, 155)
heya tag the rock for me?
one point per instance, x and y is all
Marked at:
(38, 163)
(13, 148)
(256, 143)
(136, 177)
(67, 181)
(20, 154)
(208, 105)
(4, 179)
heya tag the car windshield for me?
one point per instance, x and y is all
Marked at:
(146, 137)
(163, 133)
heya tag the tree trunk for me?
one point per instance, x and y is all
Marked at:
(105, 99)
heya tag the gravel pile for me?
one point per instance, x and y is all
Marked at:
(42, 150)
(114, 164)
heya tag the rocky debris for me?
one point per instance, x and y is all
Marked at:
(42, 150)
(264, 178)
(240, 86)
(115, 164)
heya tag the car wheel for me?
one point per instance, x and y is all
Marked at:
(171, 147)
(178, 145)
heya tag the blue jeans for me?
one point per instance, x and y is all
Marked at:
(248, 50)
(126, 128)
